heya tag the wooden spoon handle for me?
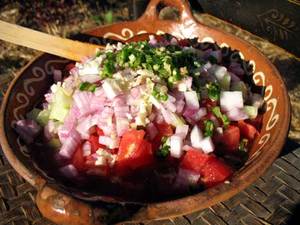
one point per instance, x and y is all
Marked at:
(62, 47)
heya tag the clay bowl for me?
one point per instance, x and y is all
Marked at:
(60, 203)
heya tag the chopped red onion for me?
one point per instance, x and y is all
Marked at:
(152, 116)
(185, 179)
(97, 103)
(189, 112)
(180, 106)
(207, 66)
(187, 147)
(84, 125)
(199, 114)
(170, 106)
(111, 88)
(82, 100)
(151, 131)
(159, 118)
(191, 99)
(182, 131)
(99, 92)
(176, 143)
(173, 41)
(168, 116)
(50, 130)
(91, 78)
(218, 71)
(219, 130)
(236, 69)
(119, 101)
(237, 114)
(206, 145)
(27, 129)
(111, 143)
(74, 71)
(70, 144)
(152, 40)
(69, 123)
(171, 99)
(57, 75)
(231, 99)
(122, 125)
(69, 171)
(178, 95)
(196, 137)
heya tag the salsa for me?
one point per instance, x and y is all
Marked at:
(166, 114)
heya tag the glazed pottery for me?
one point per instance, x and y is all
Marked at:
(62, 205)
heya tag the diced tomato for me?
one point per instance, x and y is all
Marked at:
(99, 131)
(134, 152)
(78, 159)
(95, 145)
(247, 130)
(257, 122)
(70, 66)
(90, 161)
(156, 142)
(214, 172)
(164, 129)
(194, 160)
(229, 140)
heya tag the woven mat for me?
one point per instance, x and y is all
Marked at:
(272, 199)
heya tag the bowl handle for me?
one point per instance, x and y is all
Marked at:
(151, 15)
(65, 210)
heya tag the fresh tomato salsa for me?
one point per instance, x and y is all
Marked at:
(165, 114)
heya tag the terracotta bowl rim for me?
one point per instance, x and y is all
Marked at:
(236, 186)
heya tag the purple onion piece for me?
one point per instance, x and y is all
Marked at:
(27, 129)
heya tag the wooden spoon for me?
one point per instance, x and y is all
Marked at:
(58, 46)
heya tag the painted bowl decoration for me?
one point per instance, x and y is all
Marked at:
(60, 203)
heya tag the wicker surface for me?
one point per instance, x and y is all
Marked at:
(270, 200)
(273, 199)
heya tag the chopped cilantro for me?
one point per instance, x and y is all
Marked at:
(213, 91)
(86, 86)
(170, 63)
(159, 95)
(164, 150)
(217, 112)
(208, 128)
(83, 86)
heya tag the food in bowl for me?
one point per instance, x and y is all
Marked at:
(160, 117)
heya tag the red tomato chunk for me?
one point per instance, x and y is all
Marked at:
(229, 140)
(214, 172)
(247, 130)
(134, 152)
